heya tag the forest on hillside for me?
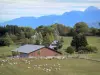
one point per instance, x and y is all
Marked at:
(42, 35)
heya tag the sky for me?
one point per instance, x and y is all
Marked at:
(11, 9)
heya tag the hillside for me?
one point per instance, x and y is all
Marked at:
(91, 16)
(49, 67)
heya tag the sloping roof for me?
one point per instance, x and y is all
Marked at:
(28, 48)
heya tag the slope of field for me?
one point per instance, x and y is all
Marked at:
(92, 40)
(49, 67)
(6, 50)
(68, 66)
(95, 41)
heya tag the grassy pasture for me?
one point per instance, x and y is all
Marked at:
(31, 66)
(7, 50)
(68, 66)
(92, 40)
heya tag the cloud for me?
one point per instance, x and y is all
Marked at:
(10, 9)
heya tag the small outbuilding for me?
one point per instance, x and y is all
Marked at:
(35, 51)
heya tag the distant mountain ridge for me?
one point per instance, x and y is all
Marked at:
(91, 16)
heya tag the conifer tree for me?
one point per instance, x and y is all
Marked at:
(78, 41)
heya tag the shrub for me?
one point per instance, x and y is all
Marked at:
(55, 48)
(59, 45)
(70, 50)
(15, 53)
(82, 49)
(88, 48)
(91, 49)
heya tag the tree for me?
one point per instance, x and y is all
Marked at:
(17, 34)
(83, 40)
(26, 41)
(28, 32)
(47, 40)
(71, 32)
(3, 30)
(98, 32)
(38, 38)
(61, 29)
(13, 37)
(37, 42)
(78, 41)
(81, 27)
(61, 40)
(13, 29)
(51, 37)
(22, 35)
(94, 31)
(7, 40)
(45, 35)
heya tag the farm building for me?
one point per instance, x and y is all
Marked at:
(35, 50)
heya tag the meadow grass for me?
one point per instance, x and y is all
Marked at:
(68, 66)
(92, 40)
(5, 50)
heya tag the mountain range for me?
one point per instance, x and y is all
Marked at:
(91, 16)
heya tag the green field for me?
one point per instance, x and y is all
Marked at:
(70, 66)
(6, 50)
(92, 40)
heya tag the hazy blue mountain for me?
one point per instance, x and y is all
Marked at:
(91, 16)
